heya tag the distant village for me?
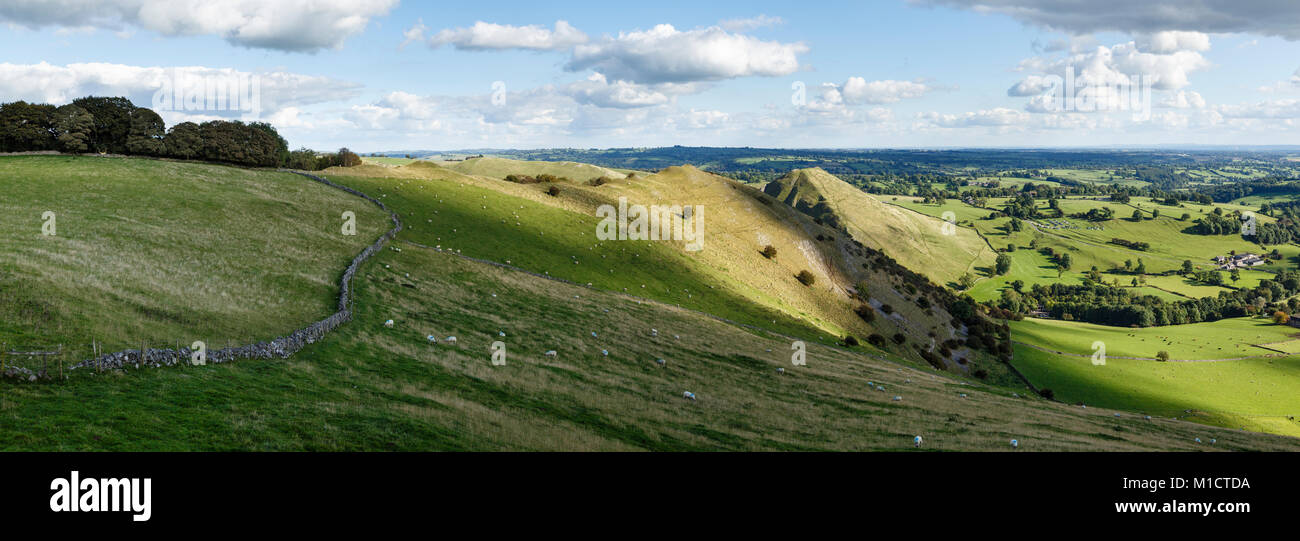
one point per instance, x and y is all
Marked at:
(1239, 261)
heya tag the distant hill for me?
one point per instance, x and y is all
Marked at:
(914, 240)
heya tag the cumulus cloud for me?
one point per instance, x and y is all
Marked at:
(664, 54)
(1170, 42)
(997, 117)
(741, 25)
(1269, 18)
(857, 90)
(1032, 85)
(490, 36)
(596, 90)
(54, 84)
(290, 25)
(1185, 99)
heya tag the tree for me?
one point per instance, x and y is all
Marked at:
(1235, 275)
(966, 281)
(112, 122)
(1137, 215)
(806, 278)
(73, 127)
(769, 251)
(1163, 356)
(1067, 261)
(347, 158)
(146, 134)
(26, 127)
(1141, 268)
(1003, 264)
(1187, 267)
(184, 141)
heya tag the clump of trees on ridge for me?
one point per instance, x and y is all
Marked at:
(113, 125)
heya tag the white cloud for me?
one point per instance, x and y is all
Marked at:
(664, 54)
(413, 34)
(596, 90)
(1185, 99)
(857, 90)
(1170, 42)
(997, 117)
(1270, 18)
(1032, 85)
(48, 83)
(490, 36)
(751, 23)
(289, 25)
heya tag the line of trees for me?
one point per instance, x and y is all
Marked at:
(1107, 305)
(113, 125)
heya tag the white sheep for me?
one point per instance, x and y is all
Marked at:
(1198, 440)
(501, 334)
(432, 339)
(604, 352)
(1015, 444)
(1148, 418)
(388, 324)
(451, 340)
(917, 442)
(780, 370)
(552, 353)
(898, 399)
(688, 395)
(661, 362)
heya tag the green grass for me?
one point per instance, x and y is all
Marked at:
(167, 252)
(370, 388)
(1257, 394)
(1223, 339)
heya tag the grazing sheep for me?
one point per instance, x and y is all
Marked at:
(688, 395)
(604, 352)
(501, 334)
(552, 353)
(1117, 415)
(780, 370)
(593, 334)
(1148, 418)
(898, 399)
(661, 362)
(654, 332)
(917, 442)
(676, 337)
(1015, 444)
(963, 395)
(432, 339)
(388, 324)
(451, 340)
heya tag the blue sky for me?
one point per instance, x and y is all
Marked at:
(389, 75)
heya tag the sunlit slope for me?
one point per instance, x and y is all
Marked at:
(729, 277)
(166, 252)
(500, 168)
(916, 241)
(371, 388)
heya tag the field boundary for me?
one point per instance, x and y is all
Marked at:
(281, 347)
(1080, 355)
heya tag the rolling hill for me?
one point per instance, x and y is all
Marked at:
(917, 241)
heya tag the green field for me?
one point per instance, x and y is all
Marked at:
(1223, 339)
(165, 252)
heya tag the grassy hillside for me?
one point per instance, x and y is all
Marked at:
(1260, 393)
(729, 277)
(917, 241)
(371, 388)
(166, 252)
